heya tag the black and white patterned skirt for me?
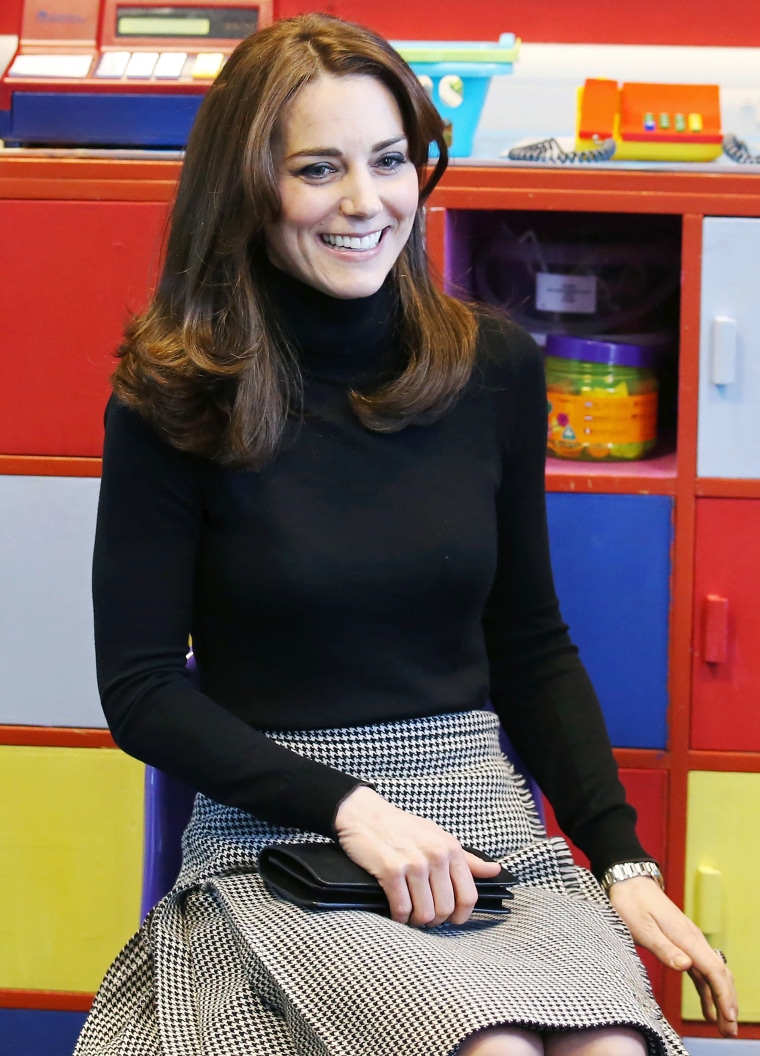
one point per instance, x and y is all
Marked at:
(221, 967)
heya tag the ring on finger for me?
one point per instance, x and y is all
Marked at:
(721, 954)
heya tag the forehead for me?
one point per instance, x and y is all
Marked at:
(333, 110)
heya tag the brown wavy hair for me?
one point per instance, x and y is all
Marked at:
(208, 362)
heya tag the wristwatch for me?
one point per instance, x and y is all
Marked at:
(627, 870)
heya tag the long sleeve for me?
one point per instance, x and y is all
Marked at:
(539, 686)
(150, 521)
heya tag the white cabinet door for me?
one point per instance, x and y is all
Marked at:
(729, 359)
(47, 656)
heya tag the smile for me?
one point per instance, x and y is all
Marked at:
(354, 242)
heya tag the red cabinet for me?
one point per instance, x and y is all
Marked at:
(79, 246)
(75, 270)
(726, 664)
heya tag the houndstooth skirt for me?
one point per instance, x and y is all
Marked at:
(221, 967)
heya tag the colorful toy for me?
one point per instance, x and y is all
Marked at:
(602, 399)
(457, 75)
(115, 74)
(651, 122)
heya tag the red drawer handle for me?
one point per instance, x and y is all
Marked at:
(715, 630)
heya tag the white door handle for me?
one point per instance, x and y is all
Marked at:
(723, 360)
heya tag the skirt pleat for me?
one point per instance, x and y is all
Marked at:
(222, 967)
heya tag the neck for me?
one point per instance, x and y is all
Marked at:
(335, 337)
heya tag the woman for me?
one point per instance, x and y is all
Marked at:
(331, 476)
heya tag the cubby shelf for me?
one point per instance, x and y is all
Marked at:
(653, 476)
(469, 197)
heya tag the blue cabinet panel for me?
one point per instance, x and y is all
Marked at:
(729, 350)
(26, 1032)
(611, 557)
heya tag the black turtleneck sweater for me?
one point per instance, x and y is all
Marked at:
(361, 577)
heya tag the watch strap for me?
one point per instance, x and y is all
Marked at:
(627, 870)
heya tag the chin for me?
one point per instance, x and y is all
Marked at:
(353, 293)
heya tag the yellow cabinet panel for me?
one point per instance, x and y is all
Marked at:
(722, 871)
(71, 834)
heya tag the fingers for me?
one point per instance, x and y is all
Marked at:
(709, 972)
(717, 993)
(659, 925)
(432, 888)
(425, 873)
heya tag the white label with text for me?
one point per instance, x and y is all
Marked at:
(566, 293)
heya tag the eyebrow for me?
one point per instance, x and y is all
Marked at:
(333, 152)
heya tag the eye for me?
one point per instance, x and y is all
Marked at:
(391, 162)
(318, 170)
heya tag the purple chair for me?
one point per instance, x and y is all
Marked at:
(168, 803)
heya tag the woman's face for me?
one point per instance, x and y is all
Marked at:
(349, 192)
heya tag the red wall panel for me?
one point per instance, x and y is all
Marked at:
(593, 21)
(72, 272)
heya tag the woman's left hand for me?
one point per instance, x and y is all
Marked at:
(658, 925)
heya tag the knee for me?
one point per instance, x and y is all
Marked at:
(505, 1041)
(612, 1041)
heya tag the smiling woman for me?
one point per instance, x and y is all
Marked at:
(330, 476)
(346, 207)
(208, 363)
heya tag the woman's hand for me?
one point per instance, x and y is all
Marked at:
(658, 925)
(426, 875)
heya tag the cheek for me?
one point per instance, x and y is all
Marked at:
(300, 211)
(408, 200)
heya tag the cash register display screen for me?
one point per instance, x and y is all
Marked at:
(216, 23)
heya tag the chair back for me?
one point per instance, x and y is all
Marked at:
(168, 803)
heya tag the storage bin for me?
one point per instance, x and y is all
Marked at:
(579, 277)
(602, 399)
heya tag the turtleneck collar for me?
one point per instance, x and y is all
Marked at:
(335, 339)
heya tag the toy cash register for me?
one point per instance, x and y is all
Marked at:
(118, 73)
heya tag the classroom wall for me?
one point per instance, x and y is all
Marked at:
(557, 21)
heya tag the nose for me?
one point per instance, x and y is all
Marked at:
(360, 196)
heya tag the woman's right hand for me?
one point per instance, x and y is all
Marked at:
(424, 871)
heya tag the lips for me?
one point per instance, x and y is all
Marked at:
(360, 243)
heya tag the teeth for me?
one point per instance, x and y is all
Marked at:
(351, 242)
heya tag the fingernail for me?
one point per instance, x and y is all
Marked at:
(681, 961)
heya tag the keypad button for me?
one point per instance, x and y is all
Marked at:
(170, 65)
(73, 66)
(113, 63)
(207, 64)
(141, 64)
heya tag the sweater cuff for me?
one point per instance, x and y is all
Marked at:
(612, 839)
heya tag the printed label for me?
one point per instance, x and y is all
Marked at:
(566, 293)
(599, 418)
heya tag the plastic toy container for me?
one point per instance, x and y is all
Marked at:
(457, 75)
(577, 278)
(602, 399)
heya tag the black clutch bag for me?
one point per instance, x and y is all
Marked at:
(322, 876)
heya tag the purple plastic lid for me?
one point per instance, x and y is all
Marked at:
(610, 353)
